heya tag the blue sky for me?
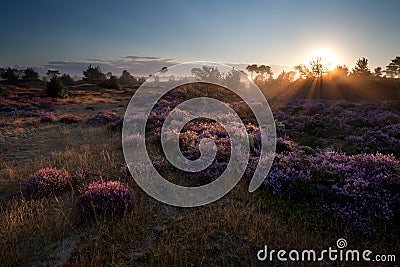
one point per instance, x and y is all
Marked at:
(68, 35)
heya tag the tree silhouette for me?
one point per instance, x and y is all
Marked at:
(208, 73)
(340, 71)
(286, 77)
(361, 68)
(378, 72)
(67, 80)
(30, 75)
(303, 71)
(93, 74)
(232, 79)
(264, 70)
(52, 73)
(252, 68)
(317, 68)
(126, 78)
(393, 69)
(111, 83)
(10, 75)
(55, 88)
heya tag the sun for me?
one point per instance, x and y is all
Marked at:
(328, 58)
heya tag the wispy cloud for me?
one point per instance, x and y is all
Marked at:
(137, 65)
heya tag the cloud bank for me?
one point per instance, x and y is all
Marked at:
(136, 65)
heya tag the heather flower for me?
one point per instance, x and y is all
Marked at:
(284, 145)
(104, 198)
(116, 125)
(287, 173)
(363, 190)
(47, 181)
(69, 118)
(103, 118)
(47, 117)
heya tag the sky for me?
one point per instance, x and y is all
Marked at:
(144, 36)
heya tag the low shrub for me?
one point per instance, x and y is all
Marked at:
(47, 181)
(47, 117)
(55, 88)
(103, 118)
(104, 198)
(70, 119)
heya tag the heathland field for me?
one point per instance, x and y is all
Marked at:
(67, 198)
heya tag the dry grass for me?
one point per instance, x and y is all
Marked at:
(46, 232)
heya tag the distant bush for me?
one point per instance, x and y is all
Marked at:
(127, 79)
(112, 83)
(68, 118)
(30, 75)
(55, 88)
(10, 75)
(104, 198)
(67, 80)
(93, 74)
(116, 125)
(47, 181)
(47, 117)
(103, 118)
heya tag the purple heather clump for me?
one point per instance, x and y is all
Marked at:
(285, 145)
(103, 118)
(361, 191)
(104, 198)
(47, 117)
(364, 188)
(373, 140)
(116, 125)
(47, 181)
(70, 118)
(287, 171)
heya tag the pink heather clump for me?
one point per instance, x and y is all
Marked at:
(47, 181)
(104, 198)
(103, 118)
(47, 117)
(68, 118)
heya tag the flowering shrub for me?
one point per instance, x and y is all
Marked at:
(361, 191)
(284, 145)
(47, 181)
(287, 173)
(103, 118)
(365, 189)
(373, 140)
(47, 117)
(104, 198)
(116, 125)
(69, 118)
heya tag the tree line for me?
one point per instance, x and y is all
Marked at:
(316, 70)
(92, 74)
